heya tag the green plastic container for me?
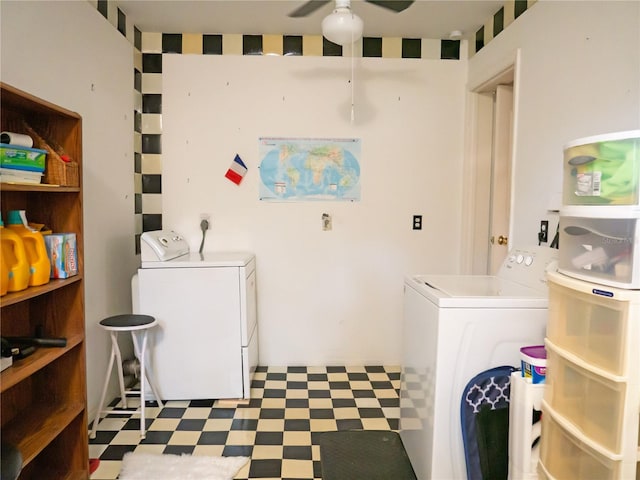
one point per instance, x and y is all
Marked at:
(22, 158)
(603, 170)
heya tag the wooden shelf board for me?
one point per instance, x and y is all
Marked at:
(36, 187)
(32, 292)
(78, 475)
(31, 434)
(22, 369)
(15, 98)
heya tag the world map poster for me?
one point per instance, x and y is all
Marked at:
(305, 169)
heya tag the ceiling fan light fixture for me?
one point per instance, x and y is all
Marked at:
(342, 27)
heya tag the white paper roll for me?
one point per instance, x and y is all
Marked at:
(19, 139)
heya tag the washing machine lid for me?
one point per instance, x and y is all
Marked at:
(477, 291)
(203, 260)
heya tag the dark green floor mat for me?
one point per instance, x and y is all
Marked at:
(364, 455)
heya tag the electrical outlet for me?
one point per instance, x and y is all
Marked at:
(417, 222)
(543, 234)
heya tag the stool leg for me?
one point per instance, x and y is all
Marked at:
(104, 393)
(140, 353)
(116, 348)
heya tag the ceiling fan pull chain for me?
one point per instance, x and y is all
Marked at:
(352, 80)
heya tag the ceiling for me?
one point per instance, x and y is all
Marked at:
(423, 19)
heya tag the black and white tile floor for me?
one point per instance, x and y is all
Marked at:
(278, 428)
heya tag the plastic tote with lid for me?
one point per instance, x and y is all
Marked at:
(602, 170)
(39, 264)
(14, 257)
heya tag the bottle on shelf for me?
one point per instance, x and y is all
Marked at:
(36, 251)
(4, 268)
(14, 256)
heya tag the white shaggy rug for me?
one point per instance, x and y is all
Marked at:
(146, 466)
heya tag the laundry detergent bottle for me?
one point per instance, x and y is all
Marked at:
(14, 259)
(39, 264)
(4, 272)
(4, 269)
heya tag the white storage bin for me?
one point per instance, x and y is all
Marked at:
(600, 325)
(602, 170)
(594, 405)
(601, 249)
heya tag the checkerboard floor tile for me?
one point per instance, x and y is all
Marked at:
(278, 428)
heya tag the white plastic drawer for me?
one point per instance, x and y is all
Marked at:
(602, 250)
(602, 170)
(593, 404)
(592, 326)
(564, 456)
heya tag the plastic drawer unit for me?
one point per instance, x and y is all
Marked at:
(602, 170)
(591, 403)
(564, 455)
(594, 404)
(595, 327)
(601, 244)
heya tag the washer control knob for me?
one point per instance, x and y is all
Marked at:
(528, 260)
(519, 258)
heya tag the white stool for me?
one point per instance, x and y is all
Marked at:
(138, 325)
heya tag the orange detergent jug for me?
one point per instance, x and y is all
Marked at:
(14, 257)
(39, 264)
(4, 269)
(4, 274)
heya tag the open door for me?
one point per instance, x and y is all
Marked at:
(488, 174)
(501, 177)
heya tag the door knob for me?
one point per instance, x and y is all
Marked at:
(502, 240)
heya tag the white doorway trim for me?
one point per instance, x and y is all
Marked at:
(476, 179)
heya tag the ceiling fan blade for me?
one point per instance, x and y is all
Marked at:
(394, 5)
(308, 8)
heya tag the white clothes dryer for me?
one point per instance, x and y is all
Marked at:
(206, 344)
(456, 326)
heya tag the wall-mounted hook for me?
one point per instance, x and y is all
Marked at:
(326, 222)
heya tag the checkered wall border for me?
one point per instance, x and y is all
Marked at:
(297, 45)
(313, 45)
(150, 48)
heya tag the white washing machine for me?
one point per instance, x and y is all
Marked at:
(456, 326)
(206, 343)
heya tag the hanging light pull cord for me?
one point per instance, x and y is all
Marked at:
(352, 80)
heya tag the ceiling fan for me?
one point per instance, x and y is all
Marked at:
(343, 26)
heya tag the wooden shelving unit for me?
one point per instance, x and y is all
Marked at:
(43, 403)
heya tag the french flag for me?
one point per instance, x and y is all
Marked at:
(237, 170)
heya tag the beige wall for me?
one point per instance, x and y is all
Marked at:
(325, 297)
